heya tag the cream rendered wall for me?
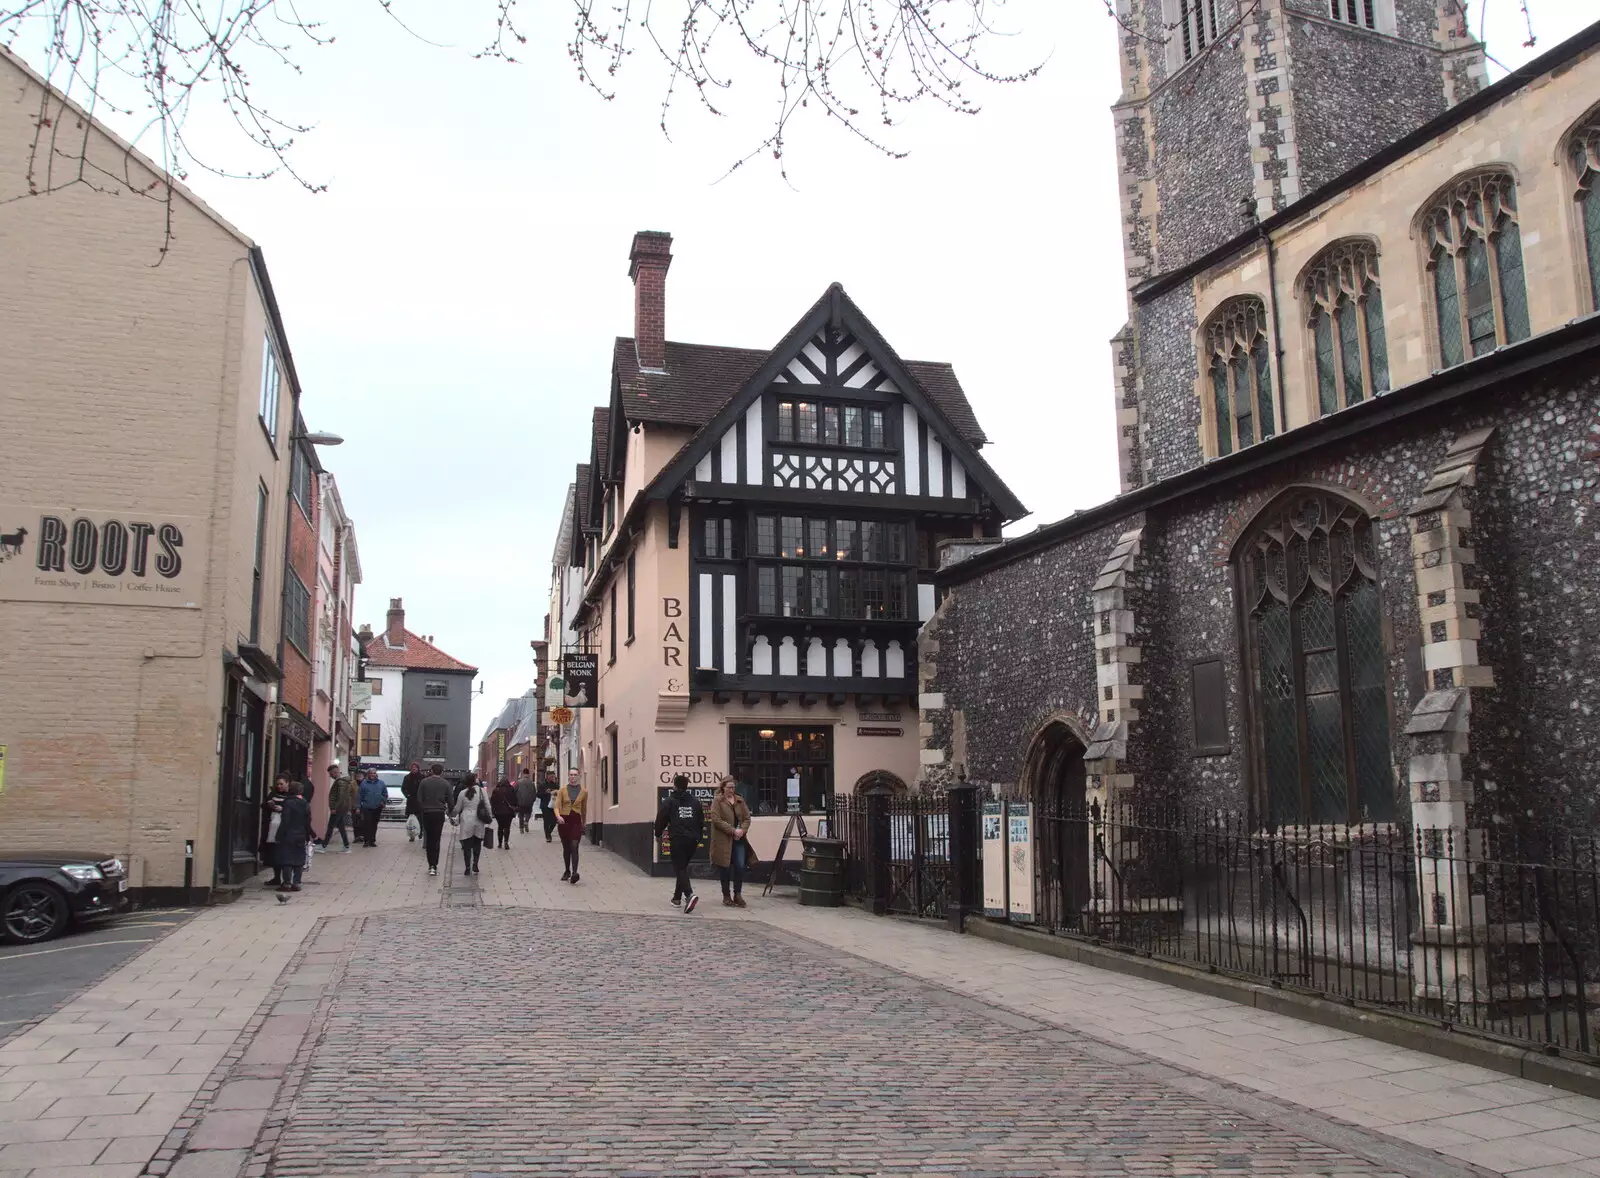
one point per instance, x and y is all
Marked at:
(1524, 133)
(385, 711)
(124, 385)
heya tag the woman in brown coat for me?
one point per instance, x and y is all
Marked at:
(730, 849)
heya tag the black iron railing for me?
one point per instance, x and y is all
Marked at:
(897, 851)
(1494, 931)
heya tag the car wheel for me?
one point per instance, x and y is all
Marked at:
(34, 911)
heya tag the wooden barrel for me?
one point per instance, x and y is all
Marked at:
(822, 873)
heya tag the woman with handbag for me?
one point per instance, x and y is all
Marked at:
(572, 808)
(730, 846)
(294, 838)
(470, 812)
(271, 818)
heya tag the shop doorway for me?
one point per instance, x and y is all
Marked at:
(1056, 783)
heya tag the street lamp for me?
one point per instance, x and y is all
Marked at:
(321, 439)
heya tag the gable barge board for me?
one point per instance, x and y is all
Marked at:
(854, 500)
(1529, 360)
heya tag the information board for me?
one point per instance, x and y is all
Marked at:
(994, 859)
(1019, 862)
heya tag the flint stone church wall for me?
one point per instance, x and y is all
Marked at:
(1016, 644)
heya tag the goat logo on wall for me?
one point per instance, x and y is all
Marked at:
(129, 557)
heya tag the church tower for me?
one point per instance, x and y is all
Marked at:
(1227, 102)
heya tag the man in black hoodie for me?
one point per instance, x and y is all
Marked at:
(683, 818)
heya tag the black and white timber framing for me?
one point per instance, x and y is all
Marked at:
(813, 504)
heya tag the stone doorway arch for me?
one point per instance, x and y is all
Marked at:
(1055, 780)
(881, 777)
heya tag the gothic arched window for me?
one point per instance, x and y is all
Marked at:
(1316, 663)
(1345, 305)
(1583, 151)
(1475, 255)
(1240, 373)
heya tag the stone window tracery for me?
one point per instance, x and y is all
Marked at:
(1361, 13)
(1315, 663)
(1344, 302)
(1240, 373)
(1474, 246)
(1583, 153)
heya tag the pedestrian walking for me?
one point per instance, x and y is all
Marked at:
(433, 807)
(271, 820)
(547, 803)
(341, 801)
(409, 785)
(370, 797)
(572, 809)
(503, 803)
(471, 814)
(294, 832)
(682, 817)
(730, 847)
(527, 799)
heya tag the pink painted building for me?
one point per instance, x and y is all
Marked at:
(333, 665)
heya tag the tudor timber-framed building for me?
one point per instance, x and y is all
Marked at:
(759, 533)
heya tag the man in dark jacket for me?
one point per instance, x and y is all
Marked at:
(408, 788)
(433, 805)
(370, 797)
(527, 799)
(682, 817)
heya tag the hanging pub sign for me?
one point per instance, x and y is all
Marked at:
(1019, 862)
(994, 860)
(109, 557)
(580, 672)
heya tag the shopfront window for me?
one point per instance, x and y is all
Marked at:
(788, 770)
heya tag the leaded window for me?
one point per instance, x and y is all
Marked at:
(1354, 12)
(1345, 307)
(1583, 152)
(1475, 255)
(810, 423)
(1240, 373)
(1197, 26)
(1316, 664)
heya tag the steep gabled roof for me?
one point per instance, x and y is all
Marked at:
(836, 310)
(580, 508)
(701, 378)
(418, 654)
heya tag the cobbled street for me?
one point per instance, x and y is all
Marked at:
(721, 1049)
(386, 1023)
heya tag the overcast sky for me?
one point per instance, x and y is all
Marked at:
(451, 298)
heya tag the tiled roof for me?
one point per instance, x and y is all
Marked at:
(581, 508)
(700, 378)
(418, 654)
(602, 441)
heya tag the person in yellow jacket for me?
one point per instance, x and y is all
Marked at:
(572, 809)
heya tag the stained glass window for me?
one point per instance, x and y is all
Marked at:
(1317, 665)
(1241, 373)
(1345, 307)
(1583, 152)
(1475, 253)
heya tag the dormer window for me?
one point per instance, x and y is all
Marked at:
(810, 423)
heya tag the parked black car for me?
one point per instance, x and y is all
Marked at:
(42, 893)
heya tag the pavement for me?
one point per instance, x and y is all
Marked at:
(36, 979)
(386, 1023)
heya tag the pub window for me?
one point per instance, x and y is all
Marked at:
(828, 583)
(793, 598)
(766, 536)
(793, 542)
(766, 589)
(377, 686)
(809, 423)
(630, 596)
(768, 759)
(1316, 663)
(433, 740)
(1344, 304)
(259, 570)
(436, 689)
(610, 510)
(845, 544)
(616, 782)
(1475, 256)
(611, 655)
(369, 740)
(1239, 372)
(1583, 153)
(717, 539)
(1208, 700)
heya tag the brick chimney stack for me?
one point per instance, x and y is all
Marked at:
(647, 266)
(395, 633)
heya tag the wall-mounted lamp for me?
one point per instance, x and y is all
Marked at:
(320, 439)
